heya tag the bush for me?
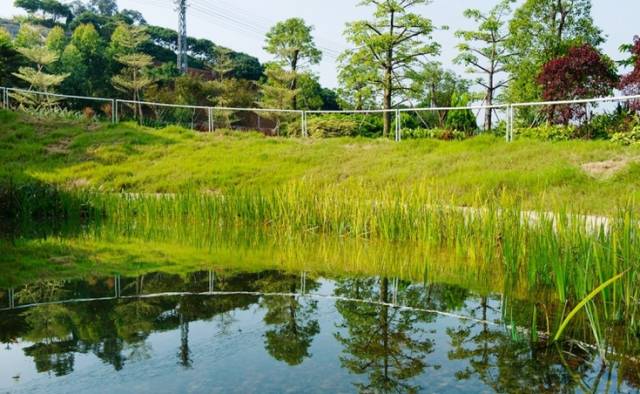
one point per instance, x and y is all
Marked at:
(438, 134)
(605, 125)
(340, 125)
(333, 126)
(629, 138)
(548, 132)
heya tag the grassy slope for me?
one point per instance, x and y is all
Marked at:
(127, 157)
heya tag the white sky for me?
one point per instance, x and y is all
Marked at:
(241, 24)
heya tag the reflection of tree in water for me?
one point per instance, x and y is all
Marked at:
(507, 365)
(293, 320)
(382, 342)
(51, 330)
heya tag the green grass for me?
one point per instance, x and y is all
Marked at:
(130, 158)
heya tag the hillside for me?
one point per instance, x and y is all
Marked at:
(591, 175)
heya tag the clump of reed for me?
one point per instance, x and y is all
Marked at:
(38, 206)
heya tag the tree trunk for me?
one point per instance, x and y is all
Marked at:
(388, 80)
(387, 103)
(488, 116)
(294, 82)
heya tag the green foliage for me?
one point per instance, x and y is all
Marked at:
(10, 59)
(433, 86)
(485, 51)
(388, 45)
(605, 125)
(332, 126)
(628, 138)
(461, 119)
(437, 134)
(291, 42)
(540, 31)
(548, 132)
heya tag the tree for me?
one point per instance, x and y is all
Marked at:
(392, 42)
(89, 44)
(355, 74)
(542, 30)
(461, 119)
(484, 50)
(56, 40)
(582, 73)
(276, 93)
(433, 86)
(37, 78)
(9, 57)
(28, 36)
(630, 82)
(104, 7)
(51, 10)
(292, 44)
(133, 78)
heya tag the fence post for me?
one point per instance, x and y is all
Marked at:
(509, 131)
(398, 126)
(5, 98)
(113, 114)
(304, 124)
(210, 116)
(116, 114)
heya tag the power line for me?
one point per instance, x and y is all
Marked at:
(236, 21)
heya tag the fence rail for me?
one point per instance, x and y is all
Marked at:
(209, 118)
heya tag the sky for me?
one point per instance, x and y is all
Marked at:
(242, 24)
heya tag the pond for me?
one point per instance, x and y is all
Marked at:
(276, 331)
(141, 305)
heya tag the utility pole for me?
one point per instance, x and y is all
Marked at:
(182, 35)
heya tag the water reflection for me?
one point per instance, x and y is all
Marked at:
(309, 331)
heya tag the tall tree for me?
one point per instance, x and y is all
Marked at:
(355, 74)
(50, 10)
(393, 41)
(484, 50)
(37, 78)
(90, 45)
(630, 82)
(433, 86)
(9, 57)
(582, 73)
(542, 30)
(133, 78)
(291, 42)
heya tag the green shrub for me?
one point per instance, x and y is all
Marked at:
(548, 132)
(461, 119)
(605, 125)
(341, 125)
(438, 134)
(629, 138)
(332, 126)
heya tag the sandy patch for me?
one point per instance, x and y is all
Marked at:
(59, 148)
(605, 169)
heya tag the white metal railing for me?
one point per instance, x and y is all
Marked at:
(210, 111)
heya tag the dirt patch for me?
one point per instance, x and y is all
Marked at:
(79, 183)
(62, 260)
(59, 148)
(605, 169)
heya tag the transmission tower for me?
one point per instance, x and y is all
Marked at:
(182, 35)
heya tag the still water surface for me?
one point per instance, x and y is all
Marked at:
(275, 331)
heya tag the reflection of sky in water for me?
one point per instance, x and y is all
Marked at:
(228, 351)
